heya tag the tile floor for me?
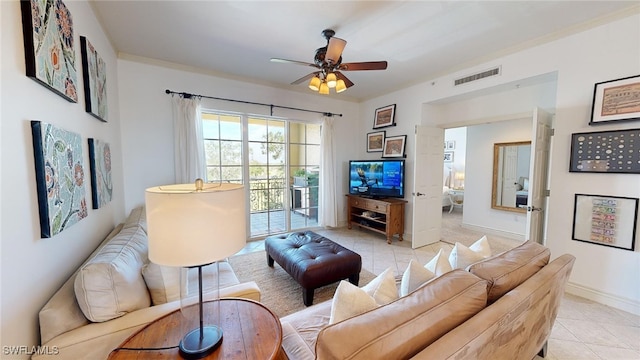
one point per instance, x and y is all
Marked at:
(583, 329)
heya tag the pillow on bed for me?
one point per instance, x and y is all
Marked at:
(525, 185)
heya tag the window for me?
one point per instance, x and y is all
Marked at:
(223, 147)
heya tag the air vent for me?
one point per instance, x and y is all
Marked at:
(478, 76)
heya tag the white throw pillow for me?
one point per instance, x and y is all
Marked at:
(414, 277)
(525, 186)
(349, 301)
(163, 282)
(462, 256)
(383, 288)
(439, 264)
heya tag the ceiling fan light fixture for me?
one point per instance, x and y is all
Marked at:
(314, 84)
(331, 80)
(324, 89)
(334, 49)
(340, 86)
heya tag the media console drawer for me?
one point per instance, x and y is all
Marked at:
(388, 218)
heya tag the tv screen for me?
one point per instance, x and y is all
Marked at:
(376, 178)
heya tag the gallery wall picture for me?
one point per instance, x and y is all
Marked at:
(94, 72)
(60, 177)
(50, 56)
(448, 156)
(605, 220)
(385, 116)
(616, 100)
(375, 141)
(100, 166)
(616, 151)
(394, 146)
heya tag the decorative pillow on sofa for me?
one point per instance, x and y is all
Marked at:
(462, 256)
(350, 300)
(413, 277)
(511, 268)
(110, 284)
(439, 264)
(137, 217)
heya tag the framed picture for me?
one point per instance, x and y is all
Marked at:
(394, 146)
(450, 145)
(60, 178)
(94, 71)
(616, 100)
(100, 166)
(616, 151)
(375, 141)
(605, 220)
(448, 156)
(385, 116)
(50, 56)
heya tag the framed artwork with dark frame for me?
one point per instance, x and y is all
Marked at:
(385, 116)
(100, 166)
(60, 177)
(375, 141)
(448, 156)
(94, 71)
(394, 146)
(616, 100)
(615, 151)
(49, 50)
(605, 220)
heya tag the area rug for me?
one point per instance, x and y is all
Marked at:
(279, 292)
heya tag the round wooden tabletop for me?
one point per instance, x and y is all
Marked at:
(250, 331)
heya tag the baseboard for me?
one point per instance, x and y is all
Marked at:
(490, 231)
(617, 302)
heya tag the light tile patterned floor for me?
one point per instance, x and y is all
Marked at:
(583, 329)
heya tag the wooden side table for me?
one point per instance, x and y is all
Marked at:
(251, 331)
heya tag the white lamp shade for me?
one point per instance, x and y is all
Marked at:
(186, 227)
(331, 80)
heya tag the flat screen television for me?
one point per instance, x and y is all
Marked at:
(376, 178)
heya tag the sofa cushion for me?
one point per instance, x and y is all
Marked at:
(163, 282)
(462, 256)
(511, 268)
(349, 301)
(439, 264)
(414, 276)
(137, 217)
(403, 327)
(110, 284)
(383, 288)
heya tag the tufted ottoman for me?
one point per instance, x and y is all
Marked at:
(312, 260)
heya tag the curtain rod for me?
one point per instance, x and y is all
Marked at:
(188, 95)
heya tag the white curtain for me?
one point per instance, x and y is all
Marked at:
(188, 139)
(327, 189)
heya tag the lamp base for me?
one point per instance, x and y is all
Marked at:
(192, 346)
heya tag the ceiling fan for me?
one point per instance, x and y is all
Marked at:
(328, 59)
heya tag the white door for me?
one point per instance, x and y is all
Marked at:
(427, 185)
(537, 197)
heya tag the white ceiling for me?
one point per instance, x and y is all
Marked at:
(419, 39)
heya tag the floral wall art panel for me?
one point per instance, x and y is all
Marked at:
(100, 166)
(49, 49)
(60, 177)
(94, 72)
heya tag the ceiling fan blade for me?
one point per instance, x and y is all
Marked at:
(334, 49)
(367, 65)
(347, 82)
(305, 78)
(285, 61)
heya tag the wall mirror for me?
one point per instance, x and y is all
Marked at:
(511, 176)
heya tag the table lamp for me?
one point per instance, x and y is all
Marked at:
(191, 226)
(459, 176)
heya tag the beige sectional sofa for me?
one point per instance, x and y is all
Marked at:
(502, 307)
(117, 291)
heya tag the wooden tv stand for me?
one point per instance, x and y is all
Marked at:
(387, 219)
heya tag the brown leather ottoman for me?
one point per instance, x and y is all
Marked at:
(312, 260)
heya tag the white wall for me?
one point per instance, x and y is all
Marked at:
(147, 127)
(34, 268)
(605, 52)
